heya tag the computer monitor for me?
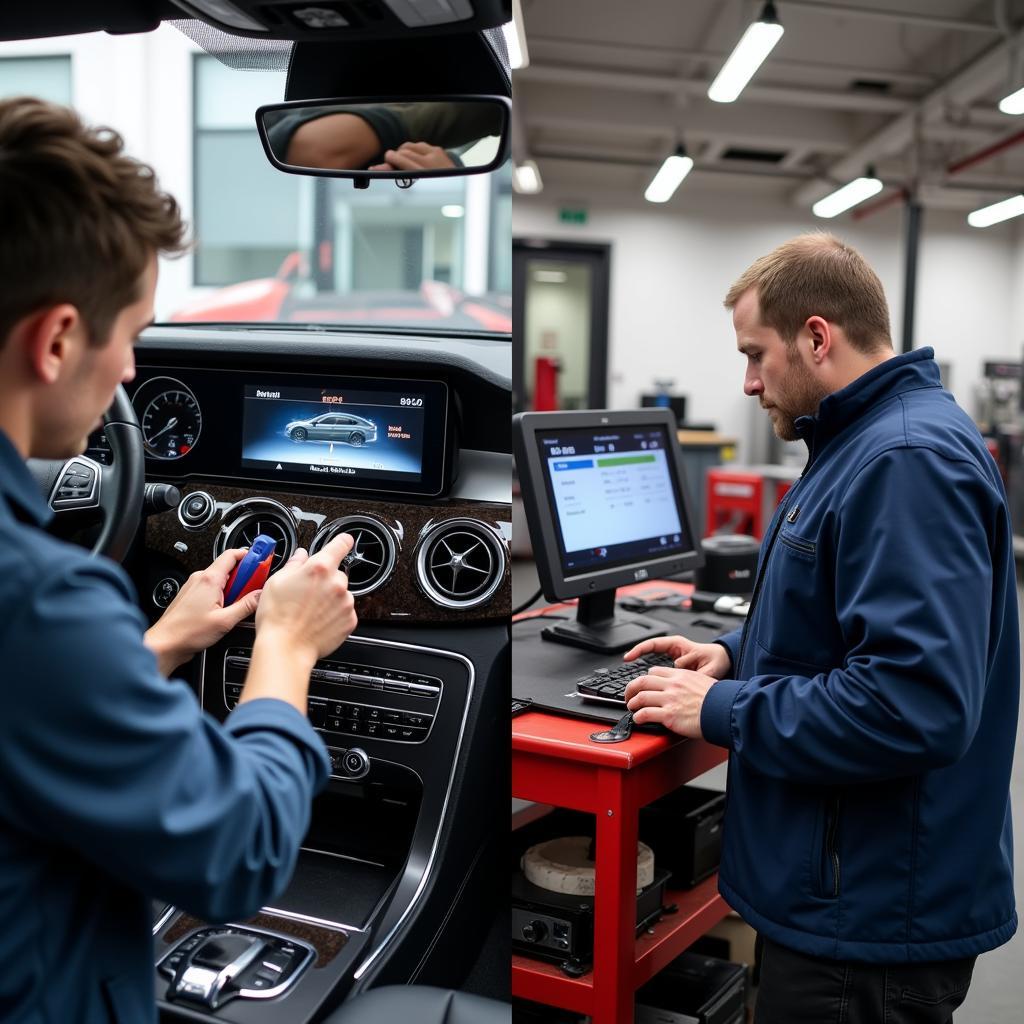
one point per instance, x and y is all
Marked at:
(606, 504)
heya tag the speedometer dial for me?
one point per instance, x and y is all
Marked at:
(171, 419)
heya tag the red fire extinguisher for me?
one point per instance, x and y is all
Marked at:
(545, 384)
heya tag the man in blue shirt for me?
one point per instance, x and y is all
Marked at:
(869, 704)
(114, 785)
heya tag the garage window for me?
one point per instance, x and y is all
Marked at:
(48, 78)
(246, 222)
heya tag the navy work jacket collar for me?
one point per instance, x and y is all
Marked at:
(18, 487)
(906, 372)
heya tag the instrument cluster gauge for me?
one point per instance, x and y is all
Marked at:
(169, 416)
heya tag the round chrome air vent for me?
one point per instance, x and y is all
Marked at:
(460, 563)
(372, 558)
(246, 520)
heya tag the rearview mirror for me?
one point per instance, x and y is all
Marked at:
(387, 138)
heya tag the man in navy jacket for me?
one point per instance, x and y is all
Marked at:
(869, 704)
(114, 785)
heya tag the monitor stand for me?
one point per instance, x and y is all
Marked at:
(598, 628)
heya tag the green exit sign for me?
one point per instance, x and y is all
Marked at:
(571, 215)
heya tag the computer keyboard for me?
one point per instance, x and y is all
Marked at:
(609, 684)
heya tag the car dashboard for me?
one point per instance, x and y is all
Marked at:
(403, 442)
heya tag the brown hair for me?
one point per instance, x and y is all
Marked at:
(818, 275)
(80, 220)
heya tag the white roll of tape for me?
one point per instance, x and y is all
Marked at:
(563, 865)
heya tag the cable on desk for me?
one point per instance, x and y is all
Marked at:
(519, 622)
(526, 604)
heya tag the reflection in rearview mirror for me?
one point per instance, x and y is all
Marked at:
(403, 139)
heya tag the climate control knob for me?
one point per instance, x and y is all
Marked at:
(355, 763)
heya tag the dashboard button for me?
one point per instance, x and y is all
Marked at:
(390, 731)
(165, 591)
(317, 714)
(372, 728)
(355, 763)
(419, 721)
(196, 510)
(335, 724)
(354, 728)
(394, 686)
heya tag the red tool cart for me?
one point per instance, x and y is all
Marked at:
(555, 763)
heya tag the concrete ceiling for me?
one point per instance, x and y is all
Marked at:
(908, 86)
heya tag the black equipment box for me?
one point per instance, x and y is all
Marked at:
(694, 989)
(559, 928)
(730, 564)
(684, 828)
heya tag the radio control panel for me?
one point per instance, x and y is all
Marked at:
(348, 699)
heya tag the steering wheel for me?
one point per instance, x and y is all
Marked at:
(79, 483)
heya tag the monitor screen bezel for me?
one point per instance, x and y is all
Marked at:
(540, 516)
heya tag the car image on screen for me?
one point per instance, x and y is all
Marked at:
(350, 429)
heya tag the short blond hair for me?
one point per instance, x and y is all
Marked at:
(816, 274)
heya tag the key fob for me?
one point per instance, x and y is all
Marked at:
(252, 571)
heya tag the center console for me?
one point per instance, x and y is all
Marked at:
(403, 848)
(398, 719)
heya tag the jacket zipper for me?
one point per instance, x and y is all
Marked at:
(832, 845)
(757, 588)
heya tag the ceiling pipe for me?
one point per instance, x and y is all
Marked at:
(882, 203)
(672, 85)
(904, 17)
(986, 154)
(982, 74)
(557, 46)
(956, 167)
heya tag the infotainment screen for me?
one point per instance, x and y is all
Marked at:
(346, 435)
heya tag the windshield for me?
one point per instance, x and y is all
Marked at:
(272, 247)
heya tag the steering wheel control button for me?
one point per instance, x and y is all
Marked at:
(165, 591)
(77, 486)
(196, 510)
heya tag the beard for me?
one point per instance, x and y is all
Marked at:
(800, 396)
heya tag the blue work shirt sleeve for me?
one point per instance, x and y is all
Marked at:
(731, 642)
(913, 596)
(104, 755)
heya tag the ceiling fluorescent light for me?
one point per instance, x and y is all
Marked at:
(669, 177)
(1013, 104)
(452, 210)
(754, 46)
(849, 195)
(1004, 210)
(515, 39)
(526, 178)
(550, 276)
